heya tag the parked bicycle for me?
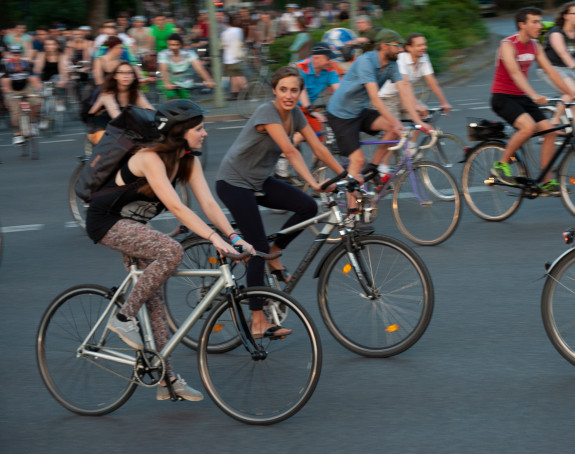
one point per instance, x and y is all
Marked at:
(90, 371)
(492, 199)
(557, 308)
(374, 293)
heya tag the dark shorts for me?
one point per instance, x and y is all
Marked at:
(509, 107)
(233, 70)
(346, 131)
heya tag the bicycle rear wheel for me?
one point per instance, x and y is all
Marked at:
(485, 195)
(566, 179)
(81, 384)
(252, 96)
(275, 387)
(426, 204)
(182, 294)
(558, 307)
(397, 310)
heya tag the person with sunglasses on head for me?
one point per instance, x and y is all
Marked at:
(348, 111)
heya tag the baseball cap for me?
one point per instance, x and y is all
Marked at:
(386, 35)
(323, 48)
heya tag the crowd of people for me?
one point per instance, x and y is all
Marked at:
(372, 97)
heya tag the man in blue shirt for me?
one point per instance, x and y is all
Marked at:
(348, 112)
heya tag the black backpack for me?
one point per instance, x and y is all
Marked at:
(87, 103)
(132, 129)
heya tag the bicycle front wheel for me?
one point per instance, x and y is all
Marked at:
(567, 181)
(558, 306)
(182, 294)
(448, 150)
(252, 96)
(391, 312)
(426, 204)
(485, 195)
(81, 384)
(267, 389)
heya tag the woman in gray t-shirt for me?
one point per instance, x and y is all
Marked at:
(245, 180)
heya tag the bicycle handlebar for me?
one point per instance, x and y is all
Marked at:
(335, 179)
(245, 254)
(565, 103)
(405, 134)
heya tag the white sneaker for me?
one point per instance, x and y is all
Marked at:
(181, 389)
(43, 124)
(34, 130)
(128, 331)
(17, 140)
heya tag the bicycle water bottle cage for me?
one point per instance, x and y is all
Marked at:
(569, 235)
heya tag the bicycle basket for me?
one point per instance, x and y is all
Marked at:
(481, 129)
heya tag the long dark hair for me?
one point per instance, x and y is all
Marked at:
(170, 150)
(560, 19)
(110, 84)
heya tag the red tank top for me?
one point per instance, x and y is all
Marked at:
(524, 56)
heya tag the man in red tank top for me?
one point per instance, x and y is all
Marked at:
(513, 98)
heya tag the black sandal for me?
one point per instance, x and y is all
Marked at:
(270, 333)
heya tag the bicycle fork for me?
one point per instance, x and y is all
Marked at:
(358, 265)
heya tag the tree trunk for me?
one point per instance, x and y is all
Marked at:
(97, 13)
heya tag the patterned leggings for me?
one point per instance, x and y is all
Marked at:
(159, 256)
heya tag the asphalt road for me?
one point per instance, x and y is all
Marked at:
(483, 378)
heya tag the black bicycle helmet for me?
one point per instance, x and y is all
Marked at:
(176, 111)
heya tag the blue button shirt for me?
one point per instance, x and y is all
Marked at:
(351, 97)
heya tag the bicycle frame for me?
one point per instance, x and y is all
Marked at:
(225, 280)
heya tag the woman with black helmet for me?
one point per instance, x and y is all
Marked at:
(143, 187)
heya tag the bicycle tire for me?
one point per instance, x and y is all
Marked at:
(557, 309)
(252, 96)
(448, 150)
(484, 195)
(566, 179)
(264, 391)
(76, 383)
(426, 204)
(182, 294)
(78, 207)
(399, 314)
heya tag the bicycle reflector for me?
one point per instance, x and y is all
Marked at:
(392, 328)
(346, 268)
(568, 236)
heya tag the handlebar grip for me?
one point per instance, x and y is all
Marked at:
(335, 179)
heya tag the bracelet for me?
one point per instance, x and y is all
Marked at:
(236, 239)
(211, 235)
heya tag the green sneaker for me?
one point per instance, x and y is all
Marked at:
(551, 188)
(502, 171)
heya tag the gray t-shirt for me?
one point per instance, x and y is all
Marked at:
(252, 157)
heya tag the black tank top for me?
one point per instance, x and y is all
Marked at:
(107, 209)
(550, 52)
(50, 70)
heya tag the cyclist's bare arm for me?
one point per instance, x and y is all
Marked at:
(438, 92)
(143, 102)
(320, 150)
(164, 71)
(203, 73)
(409, 101)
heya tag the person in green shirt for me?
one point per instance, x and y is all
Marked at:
(301, 47)
(159, 33)
(367, 32)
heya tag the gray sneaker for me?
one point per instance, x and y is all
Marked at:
(128, 331)
(181, 389)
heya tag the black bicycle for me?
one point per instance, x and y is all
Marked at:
(375, 294)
